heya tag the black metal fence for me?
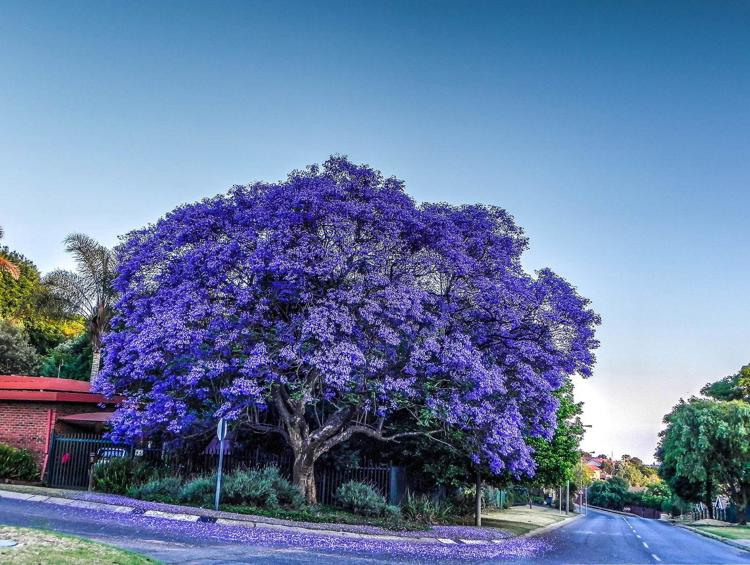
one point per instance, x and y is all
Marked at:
(72, 457)
(329, 479)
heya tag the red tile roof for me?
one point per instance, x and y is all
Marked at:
(47, 389)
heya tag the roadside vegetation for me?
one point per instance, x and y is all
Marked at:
(17, 464)
(705, 448)
(45, 328)
(615, 495)
(40, 546)
(728, 532)
(265, 492)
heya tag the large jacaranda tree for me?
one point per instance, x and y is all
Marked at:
(329, 304)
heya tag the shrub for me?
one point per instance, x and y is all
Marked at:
(17, 464)
(200, 490)
(361, 498)
(262, 488)
(166, 489)
(119, 474)
(425, 509)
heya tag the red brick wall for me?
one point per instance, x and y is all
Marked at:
(25, 424)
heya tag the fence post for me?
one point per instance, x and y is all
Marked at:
(50, 460)
(396, 484)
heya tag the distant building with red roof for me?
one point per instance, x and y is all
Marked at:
(31, 408)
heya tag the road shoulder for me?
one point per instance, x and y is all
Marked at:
(733, 543)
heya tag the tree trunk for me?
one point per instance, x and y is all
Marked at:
(96, 360)
(303, 475)
(742, 510)
(708, 499)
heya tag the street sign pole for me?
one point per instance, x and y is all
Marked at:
(221, 434)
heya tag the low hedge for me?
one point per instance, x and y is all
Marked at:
(17, 464)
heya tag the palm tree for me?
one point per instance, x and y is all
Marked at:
(6, 265)
(88, 292)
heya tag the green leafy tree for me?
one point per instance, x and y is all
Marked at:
(69, 360)
(732, 387)
(731, 438)
(611, 493)
(18, 294)
(556, 459)
(17, 356)
(88, 291)
(7, 265)
(630, 472)
(25, 302)
(688, 450)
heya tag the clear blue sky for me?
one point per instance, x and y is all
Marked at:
(618, 134)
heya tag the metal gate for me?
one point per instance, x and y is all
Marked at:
(71, 458)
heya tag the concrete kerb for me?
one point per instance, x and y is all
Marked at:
(66, 501)
(239, 521)
(713, 536)
(550, 527)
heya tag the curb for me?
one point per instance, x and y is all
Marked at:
(188, 517)
(550, 527)
(713, 536)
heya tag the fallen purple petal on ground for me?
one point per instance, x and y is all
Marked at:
(412, 549)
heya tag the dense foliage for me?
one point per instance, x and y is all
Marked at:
(18, 293)
(264, 487)
(331, 305)
(26, 305)
(17, 464)
(361, 498)
(87, 292)
(557, 459)
(17, 356)
(732, 387)
(69, 360)
(615, 494)
(426, 509)
(634, 471)
(118, 475)
(158, 489)
(705, 447)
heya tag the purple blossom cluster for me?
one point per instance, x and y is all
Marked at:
(333, 287)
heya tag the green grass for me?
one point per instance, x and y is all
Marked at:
(521, 519)
(517, 528)
(728, 532)
(42, 546)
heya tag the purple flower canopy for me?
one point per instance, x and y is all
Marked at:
(334, 289)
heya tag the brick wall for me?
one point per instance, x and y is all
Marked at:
(25, 424)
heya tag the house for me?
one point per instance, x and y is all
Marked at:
(31, 408)
(594, 465)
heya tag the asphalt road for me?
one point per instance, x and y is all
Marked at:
(603, 537)
(596, 538)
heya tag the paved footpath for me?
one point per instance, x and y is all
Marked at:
(597, 538)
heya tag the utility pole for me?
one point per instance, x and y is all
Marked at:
(567, 497)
